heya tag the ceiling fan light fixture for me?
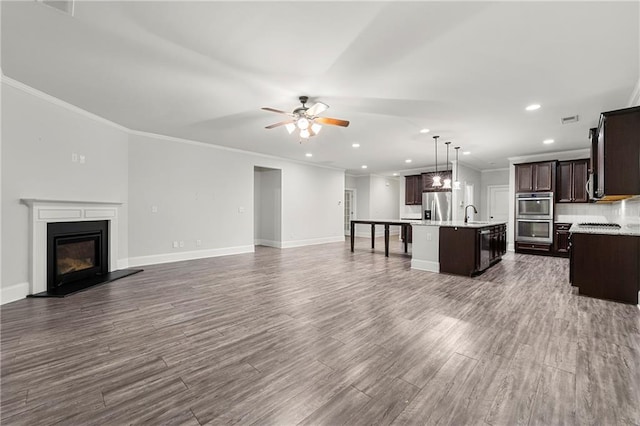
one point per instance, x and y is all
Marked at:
(302, 123)
(304, 133)
(315, 128)
(290, 127)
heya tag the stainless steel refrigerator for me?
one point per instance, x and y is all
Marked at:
(436, 206)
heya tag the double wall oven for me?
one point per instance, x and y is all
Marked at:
(534, 217)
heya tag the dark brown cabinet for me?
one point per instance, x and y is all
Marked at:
(413, 190)
(467, 251)
(618, 154)
(561, 239)
(535, 177)
(606, 266)
(571, 184)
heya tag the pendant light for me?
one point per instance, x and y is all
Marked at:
(436, 178)
(447, 179)
(456, 184)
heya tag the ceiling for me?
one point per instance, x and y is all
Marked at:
(465, 70)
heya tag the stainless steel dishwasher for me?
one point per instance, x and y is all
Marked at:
(484, 241)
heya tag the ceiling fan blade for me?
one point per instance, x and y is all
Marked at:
(332, 121)
(282, 123)
(317, 108)
(276, 110)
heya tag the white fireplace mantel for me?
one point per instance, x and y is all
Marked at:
(42, 212)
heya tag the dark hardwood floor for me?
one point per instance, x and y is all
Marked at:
(320, 335)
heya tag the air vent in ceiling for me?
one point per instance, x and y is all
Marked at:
(65, 6)
(568, 120)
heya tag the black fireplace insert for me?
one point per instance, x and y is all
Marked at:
(76, 251)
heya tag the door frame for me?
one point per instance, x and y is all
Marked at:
(347, 229)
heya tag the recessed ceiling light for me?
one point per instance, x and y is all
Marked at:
(466, 152)
(408, 160)
(355, 145)
(396, 174)
(308, 154)
(364, 166)
(548, 141)
(532, 107)
(424, 131)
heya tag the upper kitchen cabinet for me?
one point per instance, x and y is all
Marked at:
(618, 154)
(535, 177)
(571, 184)
(413, 190)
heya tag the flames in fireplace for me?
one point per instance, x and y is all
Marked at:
(75, 256)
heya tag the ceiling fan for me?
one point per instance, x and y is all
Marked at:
(306, 119)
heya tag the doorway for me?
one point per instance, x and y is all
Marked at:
(267, 207)
(498, 203)
(349, 209)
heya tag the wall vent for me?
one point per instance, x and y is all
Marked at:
(65, 6)
(571, 119)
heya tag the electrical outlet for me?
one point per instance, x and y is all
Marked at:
(240, 209)
(198, 243)
(82, 159)
(429, 237)
(74, 157)
(175, 244)
(154, 209)
(181, 244)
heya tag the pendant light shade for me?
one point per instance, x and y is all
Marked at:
(436, 178)
(447, 180)
(456, 183)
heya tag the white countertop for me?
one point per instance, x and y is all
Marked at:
(456, 223)
(626, 229)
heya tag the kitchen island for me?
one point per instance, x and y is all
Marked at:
(457, 247)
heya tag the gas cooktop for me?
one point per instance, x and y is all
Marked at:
(599, 225)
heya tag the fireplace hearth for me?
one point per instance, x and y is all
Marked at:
(78, 257)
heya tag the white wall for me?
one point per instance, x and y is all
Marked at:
(377, 197)
(38, 139)
(206, 193)
(349, 181)
(384, 196)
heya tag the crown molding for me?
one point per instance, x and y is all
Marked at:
(59, 102)
(73, 108)
(505, 169)
(576, 153)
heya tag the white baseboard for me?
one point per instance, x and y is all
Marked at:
(123, 263)
(425, 265)
(187, 255)
(511, 247)
(13, 293)
(313, 241)
(268, 243)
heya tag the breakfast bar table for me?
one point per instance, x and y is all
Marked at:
(404, 224)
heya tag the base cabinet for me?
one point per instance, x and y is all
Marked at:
(468, 251)
(561, 239)
(606, 266)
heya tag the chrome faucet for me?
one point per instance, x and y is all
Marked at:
(466, 217)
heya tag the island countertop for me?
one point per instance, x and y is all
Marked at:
(456, 224)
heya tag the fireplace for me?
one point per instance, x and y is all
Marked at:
(77, 252)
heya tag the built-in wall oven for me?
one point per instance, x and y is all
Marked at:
(534, 217)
